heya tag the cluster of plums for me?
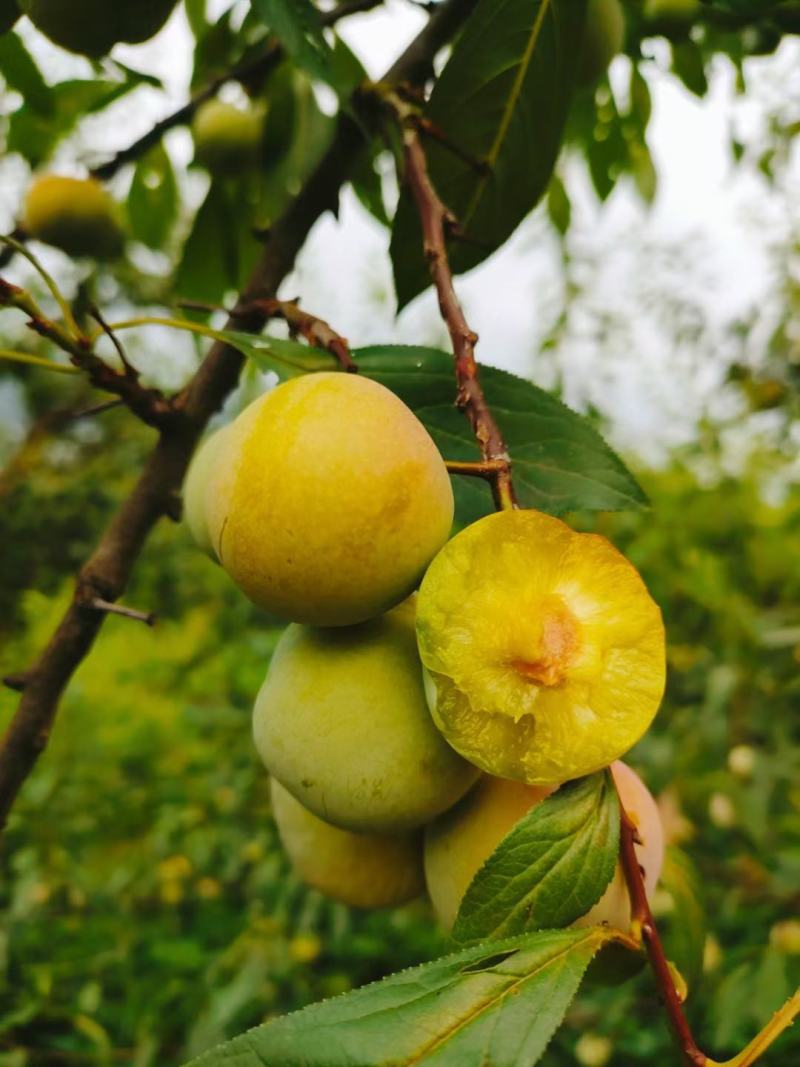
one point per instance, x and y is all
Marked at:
(326, 502)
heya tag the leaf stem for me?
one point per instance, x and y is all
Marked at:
(58, 296)
(38, 361)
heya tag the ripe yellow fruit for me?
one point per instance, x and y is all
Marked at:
(603, 38)
(9, 13)
(93, 27)
(328, 499)
(362, 870)
(194, 490)
(227, 139)
(341, 722)
(76, 215)
(545, 652)
(459, 843)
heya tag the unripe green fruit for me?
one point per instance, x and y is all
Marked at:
(76, 215)
(9, 13)
(459, 843)
(93, 27)
(341, 722)
(227, 139)
(603, 38)
(194, 490)
(328, 500)
(362, 870)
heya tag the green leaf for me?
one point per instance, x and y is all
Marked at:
(220, 249)
(497, 1004)
(19, 71)
(34, 134)
(503, 100)
(309, 138)
(298, 26)
(561, 463)
(153, 198)
(550, 868)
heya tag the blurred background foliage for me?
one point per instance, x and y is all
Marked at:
(145, 910)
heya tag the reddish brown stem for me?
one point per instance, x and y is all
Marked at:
(643, 919)
(435, 220)
(315, 330)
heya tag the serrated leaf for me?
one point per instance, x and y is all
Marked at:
(503, 100)
(496, 1004)
(550, 868)
(299, 28)
(561, 463)
(153, 198)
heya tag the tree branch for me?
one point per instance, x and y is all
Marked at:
(436, 219)
(150, 405)
(108, 570)
(250, 70)
(644, 923)
(315, 330)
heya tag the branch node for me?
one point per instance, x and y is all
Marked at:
(17, 682)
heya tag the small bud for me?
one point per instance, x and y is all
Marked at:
(741, 760)
(592, 1050)
(785, 936)
(721, 811)
(712, 954)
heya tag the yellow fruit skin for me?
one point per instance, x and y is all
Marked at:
(341, 722)
(362, 870)
(545, 653)
(603, 38)
(328, 500)
(459, 843)
(227, 139)
(93, 27)
(76, 215)
(194, 490)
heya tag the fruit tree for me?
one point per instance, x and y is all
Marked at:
(463, 667)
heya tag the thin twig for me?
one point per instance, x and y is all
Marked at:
(487, 469)
(129, 369)
(643, 923)
(315, 330)
(108, 570)
(435, 219)
(149, 404)
(98, 604)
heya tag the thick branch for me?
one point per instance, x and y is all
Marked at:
(108, 570)
(436, 219)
